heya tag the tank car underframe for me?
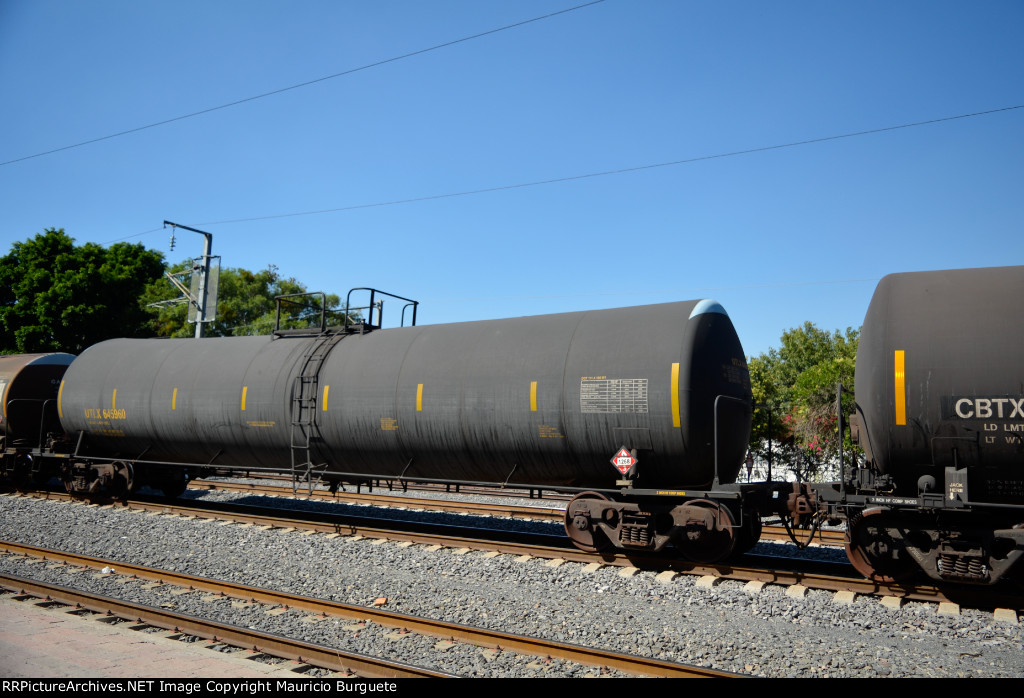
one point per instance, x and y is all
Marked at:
(703, 525)
(892, 545)
(91, 476)
(28, 465)
(105, 477)
(952, 540)
(24, 468)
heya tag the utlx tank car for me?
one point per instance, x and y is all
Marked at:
(536, 401)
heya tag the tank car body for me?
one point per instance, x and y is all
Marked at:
(29, 384)
(940, 381)
(940, 415)
(543, 400)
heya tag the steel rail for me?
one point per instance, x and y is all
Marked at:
(482, 637)
(427, 487)
(389, 500)
(769, 533)
(262, 517)
(766, 572)
(831, 539)
(274, 645)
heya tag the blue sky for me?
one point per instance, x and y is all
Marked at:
(778, 236)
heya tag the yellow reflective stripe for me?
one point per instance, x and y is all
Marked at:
(326, 388)
(245, 389)
(113, 400)
(900, 377)
(533, 396)
(419, 397)
(675, 395)
(60, 407)
(174, 399)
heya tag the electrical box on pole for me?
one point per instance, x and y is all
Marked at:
(201, 296)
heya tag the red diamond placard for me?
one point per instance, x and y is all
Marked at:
(624, 460)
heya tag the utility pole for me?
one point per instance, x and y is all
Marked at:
(200, 300)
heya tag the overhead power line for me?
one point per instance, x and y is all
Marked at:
(604, 173)
(304, 84)
(655, 291)
(623, 170)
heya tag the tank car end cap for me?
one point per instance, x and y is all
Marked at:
(708, 306)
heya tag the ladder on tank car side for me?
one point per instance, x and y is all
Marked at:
(305, 392)
(305, 399)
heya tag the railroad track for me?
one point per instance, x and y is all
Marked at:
(509, 510)
(829, 538)
(384, 485)
(330, 658)
(306, 655)
(797, 575)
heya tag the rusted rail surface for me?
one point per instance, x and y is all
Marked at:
(770, 571)
(388, 499)
(555, 515)
(274, 645)
(482, 637)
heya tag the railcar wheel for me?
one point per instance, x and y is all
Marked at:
(701, 542)
(1016, 577)
(122, 480)
(578, 526)
(749, 534)
(174, 488)
(874, 552)
(99, 481)
(22, 477)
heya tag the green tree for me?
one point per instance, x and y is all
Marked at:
(797, 382)
(56, 296)
(245, 303)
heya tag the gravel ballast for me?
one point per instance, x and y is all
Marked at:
(723, 627)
